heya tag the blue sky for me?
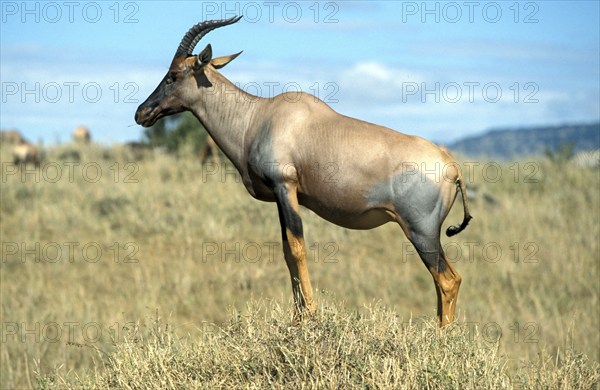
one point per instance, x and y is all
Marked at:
(442, 70)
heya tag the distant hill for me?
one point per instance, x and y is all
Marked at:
(510, 143)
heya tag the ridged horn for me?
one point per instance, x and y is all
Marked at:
(194, 34)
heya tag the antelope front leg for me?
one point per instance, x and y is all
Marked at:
(294, 249)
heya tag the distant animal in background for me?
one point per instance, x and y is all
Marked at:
(209, 150)
(26, 153)
(12, 137)
(82, 135)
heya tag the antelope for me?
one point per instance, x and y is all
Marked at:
(25, 153)
(209, 150)
(11, 137)
(82, 134)
(294, 150)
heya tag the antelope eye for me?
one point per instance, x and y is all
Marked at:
(171, 79)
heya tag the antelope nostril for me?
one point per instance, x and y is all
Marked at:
(140, 113)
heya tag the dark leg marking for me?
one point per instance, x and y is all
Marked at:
(293, 249)
(287, 213)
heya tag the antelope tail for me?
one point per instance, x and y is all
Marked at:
(455, 229)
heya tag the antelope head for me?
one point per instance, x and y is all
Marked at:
(177, 91)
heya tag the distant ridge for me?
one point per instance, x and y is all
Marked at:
(511, 143)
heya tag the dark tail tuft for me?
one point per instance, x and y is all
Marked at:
(455, 229)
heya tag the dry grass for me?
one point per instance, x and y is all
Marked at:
(191, 248)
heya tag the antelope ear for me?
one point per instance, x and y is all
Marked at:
(204, 56)
(202, 59)
(220, 62)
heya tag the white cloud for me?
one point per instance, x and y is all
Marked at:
(373, 82)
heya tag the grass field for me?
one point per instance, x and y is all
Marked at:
(161, 272)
